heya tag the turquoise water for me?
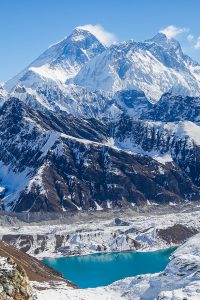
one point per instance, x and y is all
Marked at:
(103, 269)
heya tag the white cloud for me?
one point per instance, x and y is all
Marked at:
(191, 40)
(172, 31)
(197, 43)
(190, 37)
(194, 41)
(107, 38)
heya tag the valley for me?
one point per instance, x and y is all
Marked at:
(153, 228)
(100, 158)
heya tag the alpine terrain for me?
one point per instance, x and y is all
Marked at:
(87, 126)
(100, 152)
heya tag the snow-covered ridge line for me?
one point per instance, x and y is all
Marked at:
(61, 61)
(88, 142)
(155, 66)
(160, 132)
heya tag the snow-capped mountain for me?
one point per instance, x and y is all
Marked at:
(70, 99)
(60, 61)
(155, 66)
(81, 127)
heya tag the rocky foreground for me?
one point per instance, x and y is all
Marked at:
(18, 271)
(14, 282)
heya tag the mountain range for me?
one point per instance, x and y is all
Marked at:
(87, 126)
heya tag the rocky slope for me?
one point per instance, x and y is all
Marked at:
(166, 142)
(55, 163)
(70, 99)
(19, 272)
(171, 108)
(35, 269)
(14, 283)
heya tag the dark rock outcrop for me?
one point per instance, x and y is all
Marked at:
(14, 282)
(176, 234)
(67, 164)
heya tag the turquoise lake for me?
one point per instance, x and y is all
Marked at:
(103, 269)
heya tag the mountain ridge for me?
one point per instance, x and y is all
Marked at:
(156, 66)
(61, 60)
(69, 146)
(57, 163)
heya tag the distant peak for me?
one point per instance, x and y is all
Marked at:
(79, 34)
(161, 39)
(105, 37)
(160, 36)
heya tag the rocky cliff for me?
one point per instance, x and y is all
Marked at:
(14, 283)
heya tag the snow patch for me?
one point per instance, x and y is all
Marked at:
(13, 183)
(98, 207)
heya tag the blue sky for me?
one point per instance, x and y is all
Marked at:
(28, 27)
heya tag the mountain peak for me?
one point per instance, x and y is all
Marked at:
(80, 33)
(104, 37)
(83, 60)
(160, 36)
(162, 40)
(61, 61)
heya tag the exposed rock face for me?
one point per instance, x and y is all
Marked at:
(171, 108)
(177, 142)
(17, 268)
(35, 269)
(62, 163)
(14, 283)
(176, 234)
